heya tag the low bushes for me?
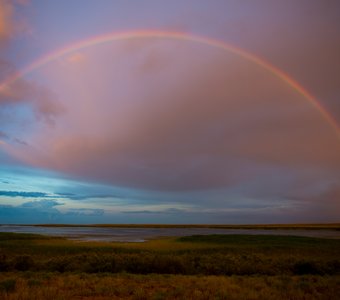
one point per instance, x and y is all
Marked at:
(170, 263)
(233, 255)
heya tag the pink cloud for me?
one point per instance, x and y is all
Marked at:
(17, 95)
(10, 23)
(6, 22)
(194, 117)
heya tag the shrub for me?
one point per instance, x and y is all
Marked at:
(4, 263)
(8, 285)
(306, 267)
(23, 263)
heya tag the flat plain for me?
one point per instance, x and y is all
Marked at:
(195, 267)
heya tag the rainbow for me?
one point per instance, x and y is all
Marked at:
(117, 36)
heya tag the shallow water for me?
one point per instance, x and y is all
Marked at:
(142, 234)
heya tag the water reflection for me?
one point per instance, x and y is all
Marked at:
(142, 234)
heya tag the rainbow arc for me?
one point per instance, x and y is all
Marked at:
(118, 36)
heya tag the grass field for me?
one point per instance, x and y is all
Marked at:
(197, 267)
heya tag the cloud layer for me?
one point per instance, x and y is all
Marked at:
(177, 115)
(194, 129)
(21, 94)
(6, 19)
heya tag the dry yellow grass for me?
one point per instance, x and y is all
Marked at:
(159, 244)
(42, 286)
(258, 267)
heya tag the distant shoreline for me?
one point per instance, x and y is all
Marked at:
(319, 226)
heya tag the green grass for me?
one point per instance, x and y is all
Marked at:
(260, 240)
(196, 267)
(204, 255)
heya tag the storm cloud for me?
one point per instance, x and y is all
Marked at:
(198, 129)
(210, 119)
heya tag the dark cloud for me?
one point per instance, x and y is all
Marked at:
(165, 211)
(30, 212)
(44, 211)
(19, 141)
(41, 204)
(70, 196)
(3, 135)
(23, 194)
(80, 196)
(85, 212)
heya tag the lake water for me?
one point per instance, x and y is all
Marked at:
(143, 234)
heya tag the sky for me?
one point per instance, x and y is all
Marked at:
(184, 111)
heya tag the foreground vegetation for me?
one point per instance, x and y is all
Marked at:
(197, 267)
(42, 286)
